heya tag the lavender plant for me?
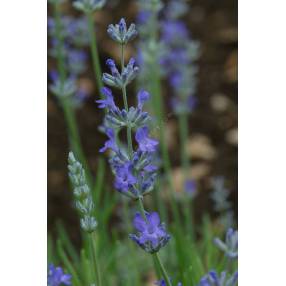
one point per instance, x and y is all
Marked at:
(133, 169)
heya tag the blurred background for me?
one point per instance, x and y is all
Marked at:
(212, 124)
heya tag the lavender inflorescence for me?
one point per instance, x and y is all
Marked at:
(82, 193)
(134, 170)
(151, 234)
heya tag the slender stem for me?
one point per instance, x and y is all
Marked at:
(69, 114)
(141, 208)
(94, 51)
(162, 268)
(129, 129)
(94, 264)
(183, 130)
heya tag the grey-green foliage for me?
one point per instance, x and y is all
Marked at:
(83, 197)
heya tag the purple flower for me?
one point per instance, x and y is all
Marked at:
(142, 97)
(145, 143)
(109, 144)
(111, 64)
(151, 233)
(143, 16)
(124, 179)
(163, 283)
(173, 31)
(108, 102)
(57, 277)
(190, 187)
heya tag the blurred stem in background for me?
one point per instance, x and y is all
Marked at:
(94, 264)
(186, 164)
(94, 51)
(74, 137)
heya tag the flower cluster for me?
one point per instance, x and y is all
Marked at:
(151, 234)
(134, 170)
(229, 247)
(56, 276)
(120, 34)
(119, 80)
(179, 56)
(88, 6)
(214, 279)
(68, 39)
(84, 202)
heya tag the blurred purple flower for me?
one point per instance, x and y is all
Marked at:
(56, 276)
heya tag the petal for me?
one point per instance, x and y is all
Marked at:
(139, 223)
(154, 219)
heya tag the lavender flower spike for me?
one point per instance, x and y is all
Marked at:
(151, 233)
(56, 276)
(229, 247)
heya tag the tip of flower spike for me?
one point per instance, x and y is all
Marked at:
(110, 63)
(71, 157)
(122, 25)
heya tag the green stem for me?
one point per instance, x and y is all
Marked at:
(129, 129)
(94, 51)
(183, 130)
(141, 208)
(69, 114)
(94, 260)
(162, 268)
